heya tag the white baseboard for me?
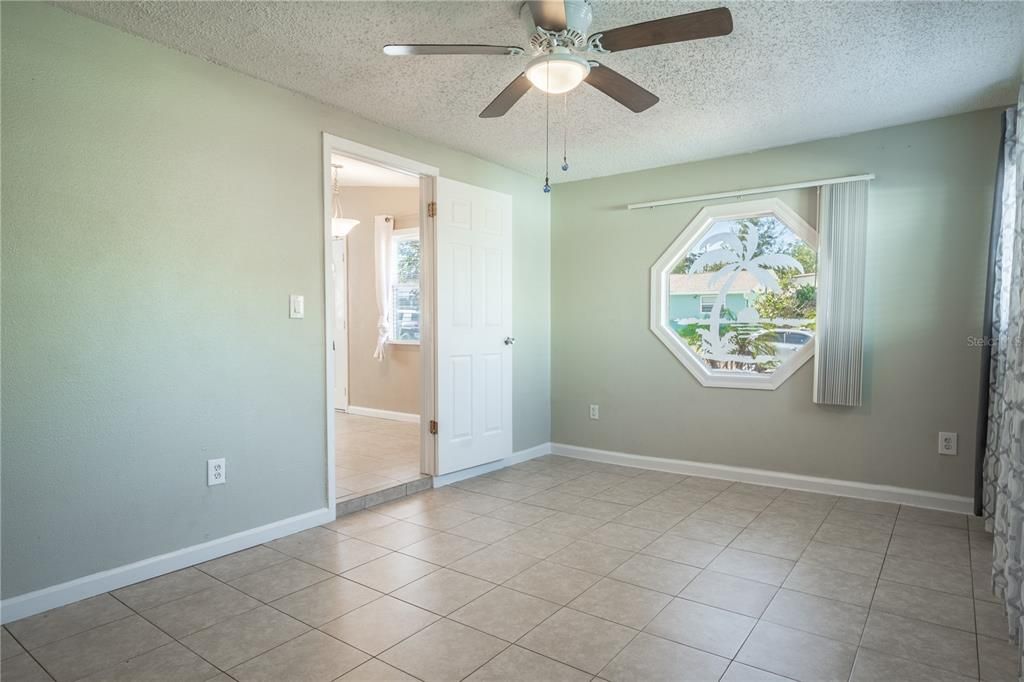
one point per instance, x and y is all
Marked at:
(51, 597)
(514, 458)
(383, 414)
(830, 486)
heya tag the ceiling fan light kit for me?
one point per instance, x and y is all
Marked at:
(557, 72)
(563, 51)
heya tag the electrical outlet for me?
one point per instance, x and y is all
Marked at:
(595, 412)
(947, 443)
(216, 471)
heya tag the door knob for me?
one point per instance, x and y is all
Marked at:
(509, 340)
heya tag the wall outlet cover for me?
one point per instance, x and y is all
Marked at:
(595, 412)
(216, 471)
(947, 443)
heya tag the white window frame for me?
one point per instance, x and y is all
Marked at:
(397, 236)
(660, 293)
(708, 296)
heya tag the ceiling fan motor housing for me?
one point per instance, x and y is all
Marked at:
(578, 16)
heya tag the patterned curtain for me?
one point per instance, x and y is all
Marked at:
(1003, 492)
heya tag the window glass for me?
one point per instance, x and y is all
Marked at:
(742, 294)
(405, 287)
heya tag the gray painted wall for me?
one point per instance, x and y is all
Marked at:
(158, 210)
(927, 244)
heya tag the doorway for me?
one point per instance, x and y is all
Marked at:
(380, 352)
(441, 293)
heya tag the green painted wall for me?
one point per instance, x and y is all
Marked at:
(927, 251)
(157, 212)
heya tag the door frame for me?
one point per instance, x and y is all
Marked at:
(428, 278)
(340, 345)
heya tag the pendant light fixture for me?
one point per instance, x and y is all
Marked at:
(340, 225)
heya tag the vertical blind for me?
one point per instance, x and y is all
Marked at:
(842, 239)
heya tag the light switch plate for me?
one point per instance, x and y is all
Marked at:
(296, 307)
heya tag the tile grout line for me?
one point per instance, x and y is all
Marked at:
(603, 520)
(558, 610)
(227, 584)
(30, 655)
(678, 595)
(974, 602)
(173, 639)
(442, 617)
(867, 617)
(701, 569)
(830, 509)
(780, 587)
(907, 617)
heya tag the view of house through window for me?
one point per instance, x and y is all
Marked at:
(743, 297)
(405, 286)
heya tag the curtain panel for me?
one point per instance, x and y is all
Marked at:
(382, 228)
(842, 241)
(1003, 464)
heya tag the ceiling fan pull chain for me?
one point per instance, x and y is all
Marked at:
(565, 130)
(547, 139)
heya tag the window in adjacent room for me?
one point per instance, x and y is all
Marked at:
(405, 286)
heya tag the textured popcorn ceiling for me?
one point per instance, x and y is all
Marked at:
(790, 71)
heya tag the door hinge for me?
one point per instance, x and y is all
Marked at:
(433, 427)
(432, 209)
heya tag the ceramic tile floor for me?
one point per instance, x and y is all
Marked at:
(372, 454)
(559, 569)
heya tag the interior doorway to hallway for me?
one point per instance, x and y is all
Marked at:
(439, 289)
(378, 319)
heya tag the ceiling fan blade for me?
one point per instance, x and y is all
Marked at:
(548, 14)
(693, 26)
(410, 50)
(507, 97)
(620, 88)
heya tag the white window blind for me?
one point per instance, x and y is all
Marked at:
(842, 239)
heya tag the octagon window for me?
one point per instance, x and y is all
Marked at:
(734, 296)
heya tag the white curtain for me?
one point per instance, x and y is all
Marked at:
(839, 344)
(1003, 475)
(382, 229)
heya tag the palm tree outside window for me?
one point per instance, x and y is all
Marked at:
(734, 296)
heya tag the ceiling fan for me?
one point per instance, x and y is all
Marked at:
(563, 50)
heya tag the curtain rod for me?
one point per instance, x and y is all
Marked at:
(752, 190)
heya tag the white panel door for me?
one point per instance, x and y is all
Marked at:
(474, 326)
